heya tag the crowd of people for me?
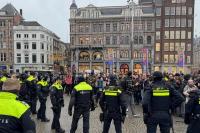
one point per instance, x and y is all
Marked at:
(160, 94)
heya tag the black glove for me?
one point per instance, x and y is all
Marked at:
(123, 118)
(145, 118)
(54, 108)
(70, 112)
(187, 119)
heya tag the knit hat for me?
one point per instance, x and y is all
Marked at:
(11, 84)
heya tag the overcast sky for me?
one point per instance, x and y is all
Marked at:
(54, 14)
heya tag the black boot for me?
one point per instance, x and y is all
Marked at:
(60, 130)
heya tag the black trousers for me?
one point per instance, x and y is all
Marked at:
(56, 116)
(163, 119)
(117, 122)
(78, 112)
(33, 104)
(194, 126)
(42, 110)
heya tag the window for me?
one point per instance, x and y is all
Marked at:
(3, 57)
(101, 28)
(42, 58)
(190, 10)
(34, 58)
(34, 45)
(173, 10)
(114, 40)
(183, 11)
(177, 46)
(115, 27)
(158, 23)
(140, 40)
(177, 34)
(136, 40)
(2, 23)
(26, 58)
(171, 34)
(182, 46)
(166, 58)
(166, 22)
(188, 59)
(183, 22)
(18, 35)
(157, 57)
(87, 29)
(176, 58)
(149, 25)
(42, 45)
(87, 40)
(18, 45)
(25, 35)
(166, 34)
(171, 58)
(157, 47)
(189, 47)
(171, 46)
(189, 35)
(167, 10)
(148, 39)
(26, 45)
(172, 22)
(189, 23)
(18, 58)
(158, 11)
(183, 34)
(157, 35)
(107, 40)
(178, 10)
(81, 41)
(127, 40)
(178, 22)
(33, 35)
(41, 36)
(166, 46)
(107, 27)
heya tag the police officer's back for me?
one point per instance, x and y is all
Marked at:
(82, 100)
(113, 107)
(14, 114)
(157, 102)
(192, 112)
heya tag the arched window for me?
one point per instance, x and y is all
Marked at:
(97, 56)
(85, 56)
(140, 40)
(148, 39)
(136, 40)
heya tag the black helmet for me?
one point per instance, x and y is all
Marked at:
(23, 76)
(81, 79)
(157, 75)
(113, 81)
(187, 77)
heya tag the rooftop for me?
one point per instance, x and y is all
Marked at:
(10, 10)
(29, 23)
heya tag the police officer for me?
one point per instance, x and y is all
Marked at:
(192, 112)
(43, 92)
(24, 92)
(56, 95)
(157, 102)
(113, 107)
(14, 114)
(83, 102)
(31, 83)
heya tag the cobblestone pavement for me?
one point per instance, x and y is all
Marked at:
(131, 125)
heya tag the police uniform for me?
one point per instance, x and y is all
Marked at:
(157, 102)
(56, 95)
(14, 115)
(24, 92)
(82, 100)
(192, 113)
(32, 90)
(43, 92)
(113, 107)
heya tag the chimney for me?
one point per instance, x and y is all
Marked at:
(21, 12)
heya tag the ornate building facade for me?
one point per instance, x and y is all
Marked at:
(112, 39)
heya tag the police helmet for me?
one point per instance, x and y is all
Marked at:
(81, 79)
(23, 76)
(157, 75)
